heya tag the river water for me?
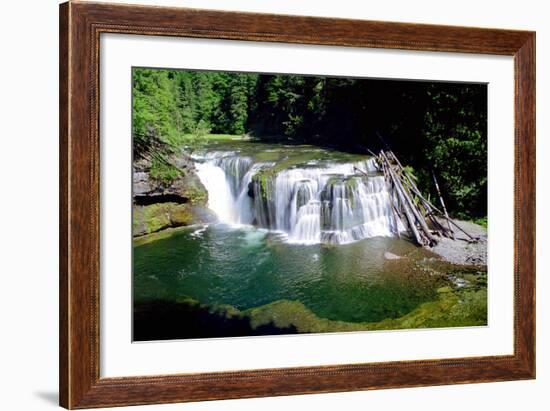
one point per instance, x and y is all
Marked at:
(311, 229)
(246, 267)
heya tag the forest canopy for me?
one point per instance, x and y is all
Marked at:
(434, 127)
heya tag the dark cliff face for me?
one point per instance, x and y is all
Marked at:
(158, 205)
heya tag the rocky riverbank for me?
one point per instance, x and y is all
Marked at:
(462, 250)
(160, 204)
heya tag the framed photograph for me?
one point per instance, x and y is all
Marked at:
(258, 205)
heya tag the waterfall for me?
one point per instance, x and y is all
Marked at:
(326, 202)
(220, 198)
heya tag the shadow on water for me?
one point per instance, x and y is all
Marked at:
(166, 320)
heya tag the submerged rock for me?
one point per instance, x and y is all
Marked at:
(391, 256)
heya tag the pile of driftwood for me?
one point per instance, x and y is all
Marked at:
(425, 222)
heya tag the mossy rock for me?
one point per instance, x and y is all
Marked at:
(263, 183)
(189, 186)
(155, 217)
(451, 309)
(181, 215)
(286, 314)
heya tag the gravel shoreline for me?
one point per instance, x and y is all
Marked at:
(461, 251)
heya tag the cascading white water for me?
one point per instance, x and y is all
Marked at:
(220, 198)
(324, 203)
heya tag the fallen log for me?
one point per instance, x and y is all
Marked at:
(443, 205)
(412, 186)
(441, 213)
(393, 209)
(450, 220)
(409, 201)
(365, 173)
(407, 206)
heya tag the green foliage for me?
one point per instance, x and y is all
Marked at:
(439, 127)
(163, 171)
(409, 172)
(456, 146)
(153, 104)
(198, 137)
(183, 107)
(482, 221)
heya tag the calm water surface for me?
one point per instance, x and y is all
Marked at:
(246, 267)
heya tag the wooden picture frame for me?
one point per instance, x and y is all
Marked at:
(80, 27)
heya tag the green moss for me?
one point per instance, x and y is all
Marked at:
(268, 156)
(294, 159)
(181, 215)
(472, 306)
(351, 182)
(228, 311)
(288, 157)
(196, 195)
(155, 217)
(263, 180)
(284, 160)
(159, 235)
(285, 314)
(478, 280)
(451, 309)
(149, 219)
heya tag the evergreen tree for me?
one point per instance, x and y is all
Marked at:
(437, 127)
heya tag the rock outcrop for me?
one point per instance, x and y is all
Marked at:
(158, 205)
